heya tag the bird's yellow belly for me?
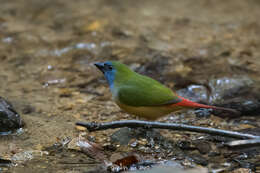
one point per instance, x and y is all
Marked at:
(149, 112)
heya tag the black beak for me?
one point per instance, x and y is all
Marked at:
(100, 66)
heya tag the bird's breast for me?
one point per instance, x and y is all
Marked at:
(114, 92)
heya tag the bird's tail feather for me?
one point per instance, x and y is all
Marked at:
(187, 103)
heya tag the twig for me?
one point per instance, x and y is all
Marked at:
(244, 143)
(93, 126)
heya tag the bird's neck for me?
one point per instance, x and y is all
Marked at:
(110, 79)
(111, 82)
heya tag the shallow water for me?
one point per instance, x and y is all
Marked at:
(47, 51)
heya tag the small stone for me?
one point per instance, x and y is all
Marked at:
(186, 163)
(202, 113)
(142, 142)
(122, 136)
(185, 145)
(133, 143)
(199, 160)
(64, 92)
(202, 146)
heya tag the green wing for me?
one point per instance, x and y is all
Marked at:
(144, 91)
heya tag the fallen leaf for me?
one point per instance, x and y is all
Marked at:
(127, 161)
(92, 149)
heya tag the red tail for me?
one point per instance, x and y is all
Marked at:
(187, 103)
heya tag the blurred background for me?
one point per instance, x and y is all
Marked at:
(207, 50)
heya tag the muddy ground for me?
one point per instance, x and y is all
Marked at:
(208, 50)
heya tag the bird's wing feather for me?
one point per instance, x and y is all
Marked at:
(144, 91)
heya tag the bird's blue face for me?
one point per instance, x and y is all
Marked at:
(108, 71)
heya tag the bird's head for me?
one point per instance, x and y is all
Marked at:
(114, 71)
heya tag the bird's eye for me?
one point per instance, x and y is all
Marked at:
(109, 67)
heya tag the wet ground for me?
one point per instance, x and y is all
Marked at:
(208, 50)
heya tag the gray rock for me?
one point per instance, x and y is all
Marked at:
(10, 120)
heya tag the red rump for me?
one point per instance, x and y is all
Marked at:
(187, 103)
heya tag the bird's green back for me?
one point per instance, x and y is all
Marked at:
(133, 89)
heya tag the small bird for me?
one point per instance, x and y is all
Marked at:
(143, 96)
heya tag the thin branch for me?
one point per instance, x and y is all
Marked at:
(93, 126)
(244, 143)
